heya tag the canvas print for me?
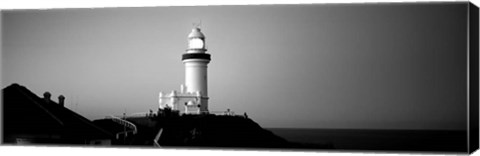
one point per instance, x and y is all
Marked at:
(308, 77)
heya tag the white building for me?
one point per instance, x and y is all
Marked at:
(193, 95)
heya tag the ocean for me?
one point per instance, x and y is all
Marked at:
(383, 140)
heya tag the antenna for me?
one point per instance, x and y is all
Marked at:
(78, 99)
(125, 125)
(195, 24)
(125, 111)
(76, 102)
(72, 101)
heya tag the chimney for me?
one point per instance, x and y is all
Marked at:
(61, 100)
(46, 96)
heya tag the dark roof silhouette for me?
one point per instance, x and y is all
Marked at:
(27, 116)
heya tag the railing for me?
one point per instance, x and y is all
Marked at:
(143, 114)
(157, 138)
(229, 113)
(123, 123)
(140, 114)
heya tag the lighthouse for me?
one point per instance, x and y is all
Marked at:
(196, 61)
(193, 95)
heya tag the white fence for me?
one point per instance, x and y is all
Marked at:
(144, 114)
(125, 123)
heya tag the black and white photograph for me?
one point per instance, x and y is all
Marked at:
(356, 77)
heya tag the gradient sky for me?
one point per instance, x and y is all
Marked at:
(396, 66)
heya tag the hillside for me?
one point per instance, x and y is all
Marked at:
(206, 131)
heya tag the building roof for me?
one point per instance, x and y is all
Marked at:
(26, 114)
(196, 33)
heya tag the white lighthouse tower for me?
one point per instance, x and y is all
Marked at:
(193, 96)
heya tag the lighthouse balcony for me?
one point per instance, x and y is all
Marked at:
(204, 56)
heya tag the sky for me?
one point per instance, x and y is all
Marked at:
(371, 66)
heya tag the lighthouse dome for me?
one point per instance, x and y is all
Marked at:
(196, 34)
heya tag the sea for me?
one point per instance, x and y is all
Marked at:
(379, 140)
